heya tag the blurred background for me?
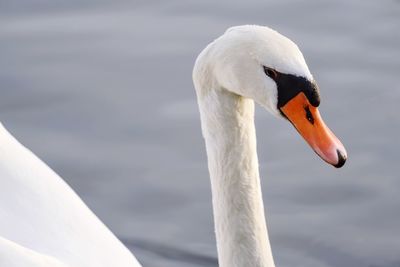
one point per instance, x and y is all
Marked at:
(102, 92)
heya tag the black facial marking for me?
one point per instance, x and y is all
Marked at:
(309, 116)
(290, 85)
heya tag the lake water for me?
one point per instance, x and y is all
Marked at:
(102, 92)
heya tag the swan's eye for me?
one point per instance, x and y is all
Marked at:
(270, 73)
(309, 116)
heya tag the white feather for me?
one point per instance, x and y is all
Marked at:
(44, 221)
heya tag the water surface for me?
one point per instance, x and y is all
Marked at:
(102, 91)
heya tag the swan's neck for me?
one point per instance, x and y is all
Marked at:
(228, 128)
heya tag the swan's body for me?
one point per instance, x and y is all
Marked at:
(43, 223)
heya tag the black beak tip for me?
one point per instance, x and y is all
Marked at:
(341, 159)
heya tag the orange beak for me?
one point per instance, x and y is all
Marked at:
(308, 122)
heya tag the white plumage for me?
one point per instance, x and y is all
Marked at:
(43, 222)
(229, 76)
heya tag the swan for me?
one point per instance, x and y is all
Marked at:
(44, 223)
(250, 64)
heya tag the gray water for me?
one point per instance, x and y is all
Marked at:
(102, 92)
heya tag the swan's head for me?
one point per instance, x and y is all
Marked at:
(259, 63)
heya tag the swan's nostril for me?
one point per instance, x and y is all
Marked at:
(341, 159)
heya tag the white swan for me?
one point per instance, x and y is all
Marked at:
(44, 223)
(252, 63)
